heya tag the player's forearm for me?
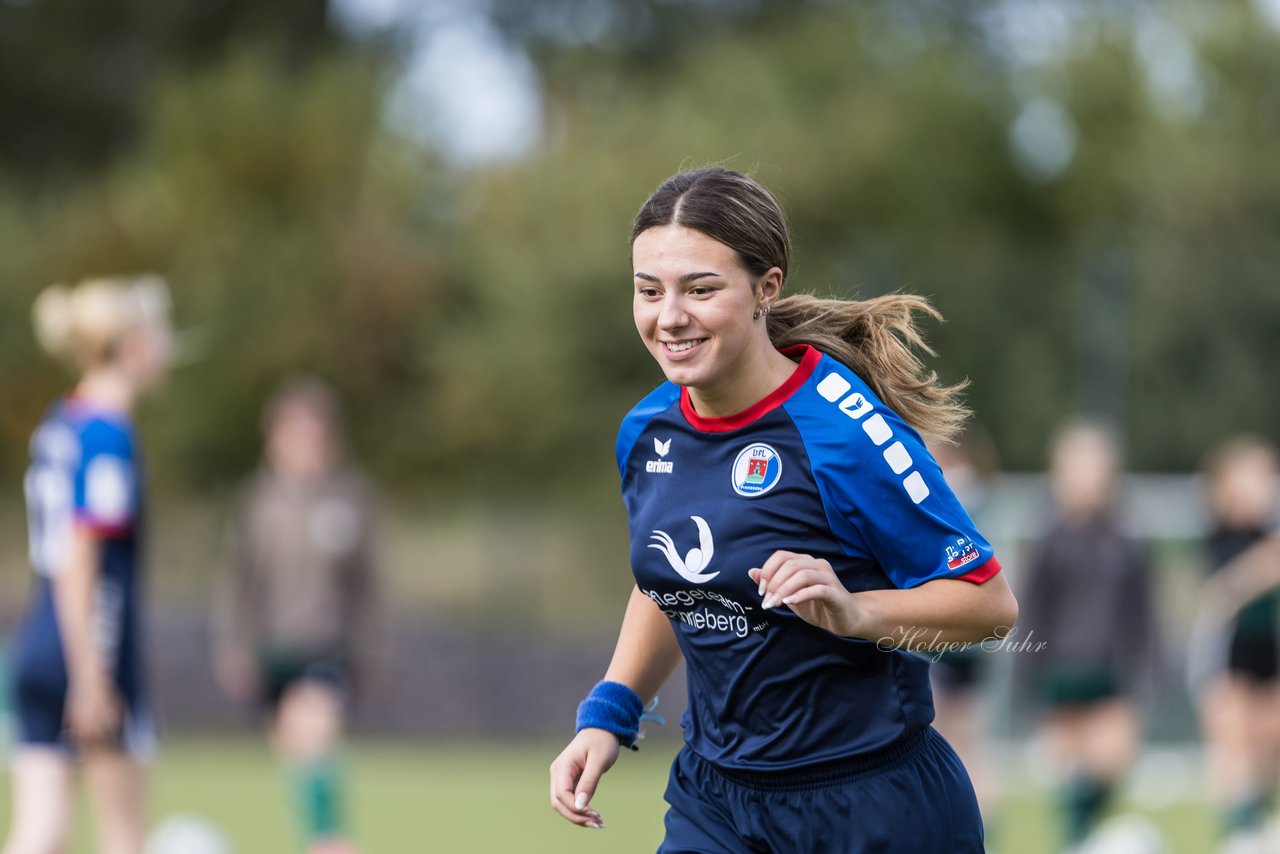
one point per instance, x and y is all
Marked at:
(1250, 575)
(944, 611)
(230, 629)
(647, 651)
(74, 594)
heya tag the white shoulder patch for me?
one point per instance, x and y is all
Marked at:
(56, 444)
(108, 489)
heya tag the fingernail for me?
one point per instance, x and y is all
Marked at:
(580, 803)
(768, 602)
(762, 584)
(595, 824)
(787, 601)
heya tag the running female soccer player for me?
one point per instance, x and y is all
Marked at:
(790, 537)
(77, 669)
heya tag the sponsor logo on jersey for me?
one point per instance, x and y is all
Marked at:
(691, 566)
(660, 466)
(756, 470)
(961, 553)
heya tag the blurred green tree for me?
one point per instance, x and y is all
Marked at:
(77, 75)
(1099, 236)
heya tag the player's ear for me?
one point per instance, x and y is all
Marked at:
(769, 286)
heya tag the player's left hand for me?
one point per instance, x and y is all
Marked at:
(809, 587)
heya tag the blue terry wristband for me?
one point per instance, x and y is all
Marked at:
(615, 708)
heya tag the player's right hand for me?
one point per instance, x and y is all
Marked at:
(577, 771)
(237, 674)
(93, 712)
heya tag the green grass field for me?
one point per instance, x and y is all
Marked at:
(492, 797)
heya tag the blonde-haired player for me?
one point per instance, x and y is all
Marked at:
(77, 672)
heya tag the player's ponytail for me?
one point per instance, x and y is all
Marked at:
(51, 317)
(877, 338)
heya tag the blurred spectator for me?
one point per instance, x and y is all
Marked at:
(297, 618)
(959, 677)
(78, 674)
(1240, 703)
(1088, 597)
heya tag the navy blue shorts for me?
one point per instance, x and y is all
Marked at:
(38, 685)
(912, 798)
(40, 706)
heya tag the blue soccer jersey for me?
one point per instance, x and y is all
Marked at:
(820, 467)
(83, 472)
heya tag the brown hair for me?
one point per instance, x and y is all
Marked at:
(1236, 449)
(878, 339)
(308, 394)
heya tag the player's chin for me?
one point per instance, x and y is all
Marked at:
(683, 376)
(691, 373)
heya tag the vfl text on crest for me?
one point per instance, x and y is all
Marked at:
(691, 566)
(756, 470)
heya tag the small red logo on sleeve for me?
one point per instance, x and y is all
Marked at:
(961, 553)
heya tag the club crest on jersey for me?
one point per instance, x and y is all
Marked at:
(756, 470)
(660, 466)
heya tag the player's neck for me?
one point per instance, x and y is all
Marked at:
(107, 388)
(754, 377)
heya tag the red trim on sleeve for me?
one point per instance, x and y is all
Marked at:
(984, 573)
(809, 358)
(105, 530)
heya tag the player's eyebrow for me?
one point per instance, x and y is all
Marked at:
(687, 277)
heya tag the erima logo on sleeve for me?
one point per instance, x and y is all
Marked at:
(691, 567)
(834, 389)
(660, 466)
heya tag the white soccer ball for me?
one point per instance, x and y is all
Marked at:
(187, 834)
(1126, 834)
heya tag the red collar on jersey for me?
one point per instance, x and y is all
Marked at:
(808, 358)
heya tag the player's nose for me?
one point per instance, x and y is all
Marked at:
(672, 315)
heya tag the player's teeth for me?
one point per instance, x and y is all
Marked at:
(680, 348)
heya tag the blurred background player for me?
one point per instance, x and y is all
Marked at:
(297, 615)
(78, 675)
(1087, 596)
(960, 677)
(1240, 705)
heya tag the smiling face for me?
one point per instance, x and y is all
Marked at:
(694, 304)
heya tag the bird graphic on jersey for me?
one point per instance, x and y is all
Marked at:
(690, 569)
